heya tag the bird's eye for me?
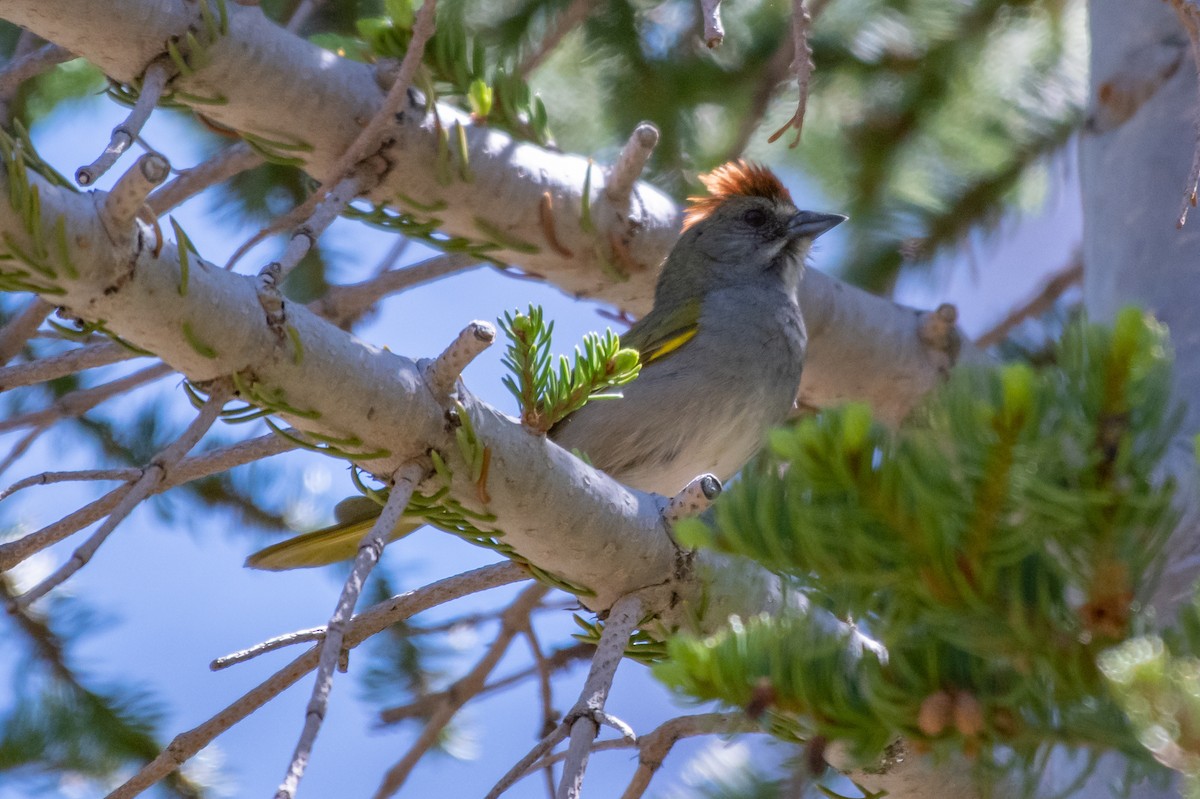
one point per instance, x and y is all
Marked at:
(755, 217)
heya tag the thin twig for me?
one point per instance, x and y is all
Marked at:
(802, 65)
(31, 64)
(424, 705)
(21, 327)
(443, 373)
(404, 481)
(465, 688)
(159, 465)
(306, 235)
(269, 645)
(1043, 301)
(714, 31)
(1189, 18)
(363, 626)
(654, 746)
(630, 164)
(125, 202)
(344, 305)
(233, 160)
(66, 363)
(564, 23)
(369, 138)
(194, 468)
(79, 402)
(773, 74)
(522, 766)
(124, 134)
(83, 475)
(22, 446)
(546, 693)
(390, 715)
(693, 500)
(585, 718)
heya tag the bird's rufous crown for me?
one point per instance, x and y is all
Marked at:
(736, 178)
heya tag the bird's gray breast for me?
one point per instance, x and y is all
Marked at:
(707, 406)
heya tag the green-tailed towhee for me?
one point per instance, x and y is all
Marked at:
(721, 351)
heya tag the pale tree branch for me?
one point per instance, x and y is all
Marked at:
(367, 142)
(654, 746)
(429, 703)
(361, 627)
(123, 135)
(404, 482)
(83, 475)
(303, 11)
(630, 163)
(306, 235)
(802, 66)
(270, 645)
(124, 203)
(585, 718)
(80, 402)
(1189, 17)
(852, 334)
(443, 373)
(233, 160)
(545, 672)
(52, 367)
(344, 305)
(514, 619)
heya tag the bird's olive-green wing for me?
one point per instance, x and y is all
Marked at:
(659, 333)
(329, 544)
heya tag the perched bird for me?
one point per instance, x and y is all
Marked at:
(721, 352)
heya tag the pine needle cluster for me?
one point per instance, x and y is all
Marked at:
(996, 547)
(547, 394)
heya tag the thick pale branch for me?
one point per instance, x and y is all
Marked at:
(861, 347)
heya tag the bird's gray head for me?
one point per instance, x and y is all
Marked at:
(746, 229)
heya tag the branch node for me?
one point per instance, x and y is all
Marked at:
(693, 500)
(442, 374)
(630, 164)
(124, 203)
(714, 31)
(270, 298)
(937, 328)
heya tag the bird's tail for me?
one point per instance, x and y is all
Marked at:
(329, 544)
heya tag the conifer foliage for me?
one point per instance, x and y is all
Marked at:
(996, 549)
